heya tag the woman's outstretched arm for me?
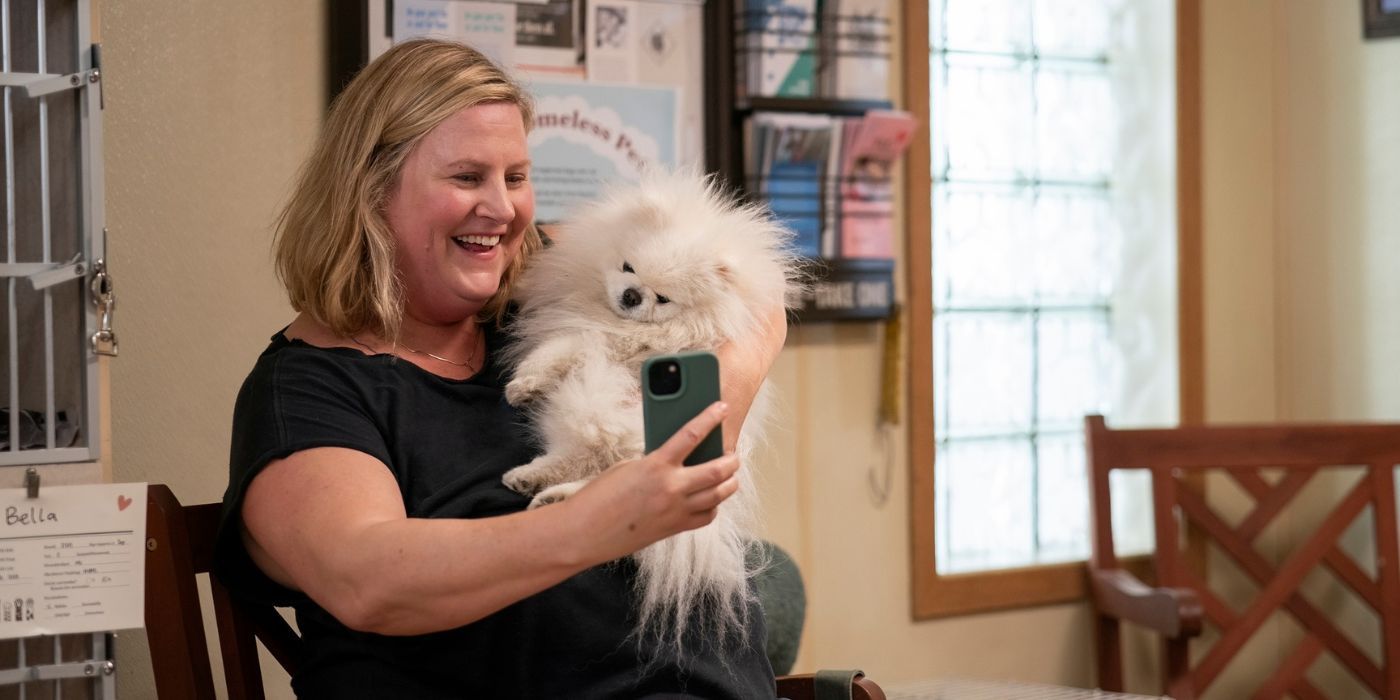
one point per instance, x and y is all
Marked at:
(331, 523)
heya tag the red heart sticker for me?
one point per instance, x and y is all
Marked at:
(123, 502)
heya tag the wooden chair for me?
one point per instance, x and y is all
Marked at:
(179, 546)
(803, 686)
(1181, 599)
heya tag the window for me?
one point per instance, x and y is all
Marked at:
(1042, 288)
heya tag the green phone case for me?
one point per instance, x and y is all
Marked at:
(663, 415)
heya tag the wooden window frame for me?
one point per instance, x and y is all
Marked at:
(935, 595)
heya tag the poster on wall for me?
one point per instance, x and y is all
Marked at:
(529, 36)
(587, 135)
(489, 27)
(652, 43)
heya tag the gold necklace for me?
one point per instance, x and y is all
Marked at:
(468, 364)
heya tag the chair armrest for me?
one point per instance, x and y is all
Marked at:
(1172, 612)
(802, 686)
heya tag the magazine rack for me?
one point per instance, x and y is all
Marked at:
(844, 288)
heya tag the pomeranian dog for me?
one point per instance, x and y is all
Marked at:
(668, 265)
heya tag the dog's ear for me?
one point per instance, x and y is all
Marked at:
(724, 272)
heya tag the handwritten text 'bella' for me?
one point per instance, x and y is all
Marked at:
(29, 516)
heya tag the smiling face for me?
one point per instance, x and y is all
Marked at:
(459, 211)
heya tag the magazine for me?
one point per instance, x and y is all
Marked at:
(872, 146)
(794, 166)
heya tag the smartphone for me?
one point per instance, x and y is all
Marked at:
(675, 389)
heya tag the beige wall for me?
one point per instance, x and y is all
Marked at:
(1338, 183)
(211, 105)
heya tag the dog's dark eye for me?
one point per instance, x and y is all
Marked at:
(627, 268)
(662, 300)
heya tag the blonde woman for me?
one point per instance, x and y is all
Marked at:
(370, 437)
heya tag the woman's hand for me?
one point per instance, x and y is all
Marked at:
(641, 501)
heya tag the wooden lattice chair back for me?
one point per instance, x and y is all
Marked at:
(1177, 458)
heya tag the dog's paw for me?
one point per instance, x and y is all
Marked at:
(555, 494)
(523, 390)
(524, 480)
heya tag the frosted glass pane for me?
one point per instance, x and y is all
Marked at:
(984, 25)
(986, 118)
(1064, 498)
(1077, 369)
(984, 505)
(982, 247)
(1131, 493)
(938, 127)
(1073, 27)
(1076, 245)
(1052, 224)
(990, 393)
(1075, 125)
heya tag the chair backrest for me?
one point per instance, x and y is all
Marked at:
(784, 601)
(179, 546)
(1176, 458)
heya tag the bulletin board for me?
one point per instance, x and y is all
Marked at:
(618, 84)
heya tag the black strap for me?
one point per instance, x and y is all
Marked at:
(833, 684)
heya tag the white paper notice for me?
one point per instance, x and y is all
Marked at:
(72, 560)
(612, 41)
(489, 27)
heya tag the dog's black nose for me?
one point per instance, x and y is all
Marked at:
(631, 298)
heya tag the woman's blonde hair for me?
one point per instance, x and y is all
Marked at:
(334, 251)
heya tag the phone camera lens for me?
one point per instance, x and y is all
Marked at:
(665, 378)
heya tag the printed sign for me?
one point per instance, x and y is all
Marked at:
(72, 560)
(587, 135)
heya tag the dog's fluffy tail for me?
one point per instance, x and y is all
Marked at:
(701, 577)
(696, 578)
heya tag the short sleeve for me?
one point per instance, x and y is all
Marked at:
(294, 399)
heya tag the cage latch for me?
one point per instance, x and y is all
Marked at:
(104, 341)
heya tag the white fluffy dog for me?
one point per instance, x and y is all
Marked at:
(661, 267)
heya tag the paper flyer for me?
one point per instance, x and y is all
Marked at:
(652, 43)
(488, 27)
(535, 35)
(72, 560)
(547, 37)
(587, 135)
(613, 46)
(671, 53)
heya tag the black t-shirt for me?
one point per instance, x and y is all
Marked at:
(447, 443)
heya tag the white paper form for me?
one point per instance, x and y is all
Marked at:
(611, 47)
(488, 27)
(652, 43)
(72, 560)
(670, 53)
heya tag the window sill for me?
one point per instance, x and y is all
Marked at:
(950, 595)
